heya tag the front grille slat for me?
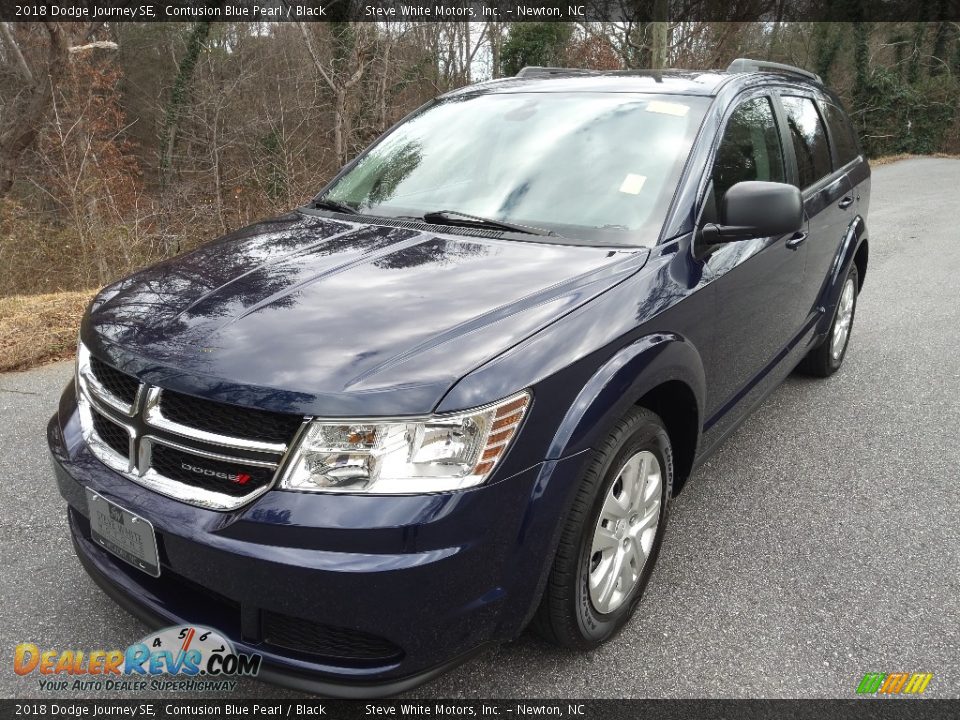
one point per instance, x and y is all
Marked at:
(117, 383)
(233, 421)
(336, 643)
(231, 478)
(112, 435)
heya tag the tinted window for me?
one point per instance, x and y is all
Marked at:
(809, 139)
(841, 133)
(750, 148)
(595, 166)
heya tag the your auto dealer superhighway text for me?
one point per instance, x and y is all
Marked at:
(152, 709)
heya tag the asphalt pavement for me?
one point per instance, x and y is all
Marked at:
(821, 542)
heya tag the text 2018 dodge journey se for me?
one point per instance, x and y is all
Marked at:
(454, 396)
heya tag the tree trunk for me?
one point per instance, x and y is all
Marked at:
(179, 94)
(861, 63)
(339, 112)
(827, 39)
(660, 34)
(26, 125)
(383, 85)
(916, 50)
(15, 51)
(495, 42)
(659, 45)
(940, 39)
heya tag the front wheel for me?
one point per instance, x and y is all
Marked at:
(611, 537)
(826, 358)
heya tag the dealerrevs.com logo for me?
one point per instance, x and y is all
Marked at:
(198, 658)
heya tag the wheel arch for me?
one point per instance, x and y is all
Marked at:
(662, 372)
(676, 405)
(648, 371)
(860, 258)
(852, 250)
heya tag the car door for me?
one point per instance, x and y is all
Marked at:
(847, 156)
(826, 188)
(756, 282)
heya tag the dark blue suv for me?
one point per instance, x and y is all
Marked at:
(454, 396)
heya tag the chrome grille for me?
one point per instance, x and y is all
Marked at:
(214, 417)
(230, 477)
(114, 436)
(115, 382)
(126, 426)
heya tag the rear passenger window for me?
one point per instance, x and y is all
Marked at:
(750, 148)
(842, 134)
(809, 140)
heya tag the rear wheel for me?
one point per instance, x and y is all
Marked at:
(826, 358)
(611, 537)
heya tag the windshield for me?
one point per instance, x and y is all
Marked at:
(601, 167)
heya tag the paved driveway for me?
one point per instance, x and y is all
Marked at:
(821, 542)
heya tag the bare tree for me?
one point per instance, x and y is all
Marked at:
(37, 95)
(337, 80)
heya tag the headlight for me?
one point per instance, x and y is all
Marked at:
(404, 457)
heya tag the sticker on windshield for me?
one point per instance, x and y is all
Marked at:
(668, 108)
(633, 184)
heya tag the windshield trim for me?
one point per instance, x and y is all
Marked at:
(474, 232)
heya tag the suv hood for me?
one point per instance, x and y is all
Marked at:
(320, 316)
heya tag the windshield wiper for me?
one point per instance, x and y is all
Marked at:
(336, 206)
(455, 217)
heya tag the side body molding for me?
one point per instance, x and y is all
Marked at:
(623, 380)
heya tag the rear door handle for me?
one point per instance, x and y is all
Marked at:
(846, 202)
(796, 240)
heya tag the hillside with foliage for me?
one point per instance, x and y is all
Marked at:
(124, 144)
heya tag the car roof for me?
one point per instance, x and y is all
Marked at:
(667, 82)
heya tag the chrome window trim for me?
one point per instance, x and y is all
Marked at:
(154, 417)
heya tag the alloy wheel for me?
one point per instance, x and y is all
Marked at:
(625, 531)
(841, 325)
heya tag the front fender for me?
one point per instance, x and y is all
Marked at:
(855, 235)
(619, 383)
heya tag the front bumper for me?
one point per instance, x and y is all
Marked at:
(430, 578)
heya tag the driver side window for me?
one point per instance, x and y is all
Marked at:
(750, 150)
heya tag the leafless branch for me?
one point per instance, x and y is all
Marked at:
(17, 55)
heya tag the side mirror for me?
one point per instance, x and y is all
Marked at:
(754, 209)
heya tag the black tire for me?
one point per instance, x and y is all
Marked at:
(820, 361)
(567, 616)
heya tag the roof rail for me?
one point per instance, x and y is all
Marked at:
(748, 65)
(537, 71)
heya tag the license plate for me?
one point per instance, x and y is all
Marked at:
(128, 536)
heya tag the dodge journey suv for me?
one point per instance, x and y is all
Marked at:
(453, 397)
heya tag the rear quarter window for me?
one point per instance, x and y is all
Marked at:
(842, 134)
(809, 140)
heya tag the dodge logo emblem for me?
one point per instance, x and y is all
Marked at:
(238, 478)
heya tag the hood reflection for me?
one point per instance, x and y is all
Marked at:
(310, 307)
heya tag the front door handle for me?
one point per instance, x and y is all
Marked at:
(846, 202)
(796, 240)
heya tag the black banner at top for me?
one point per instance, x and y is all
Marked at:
(479, 10)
